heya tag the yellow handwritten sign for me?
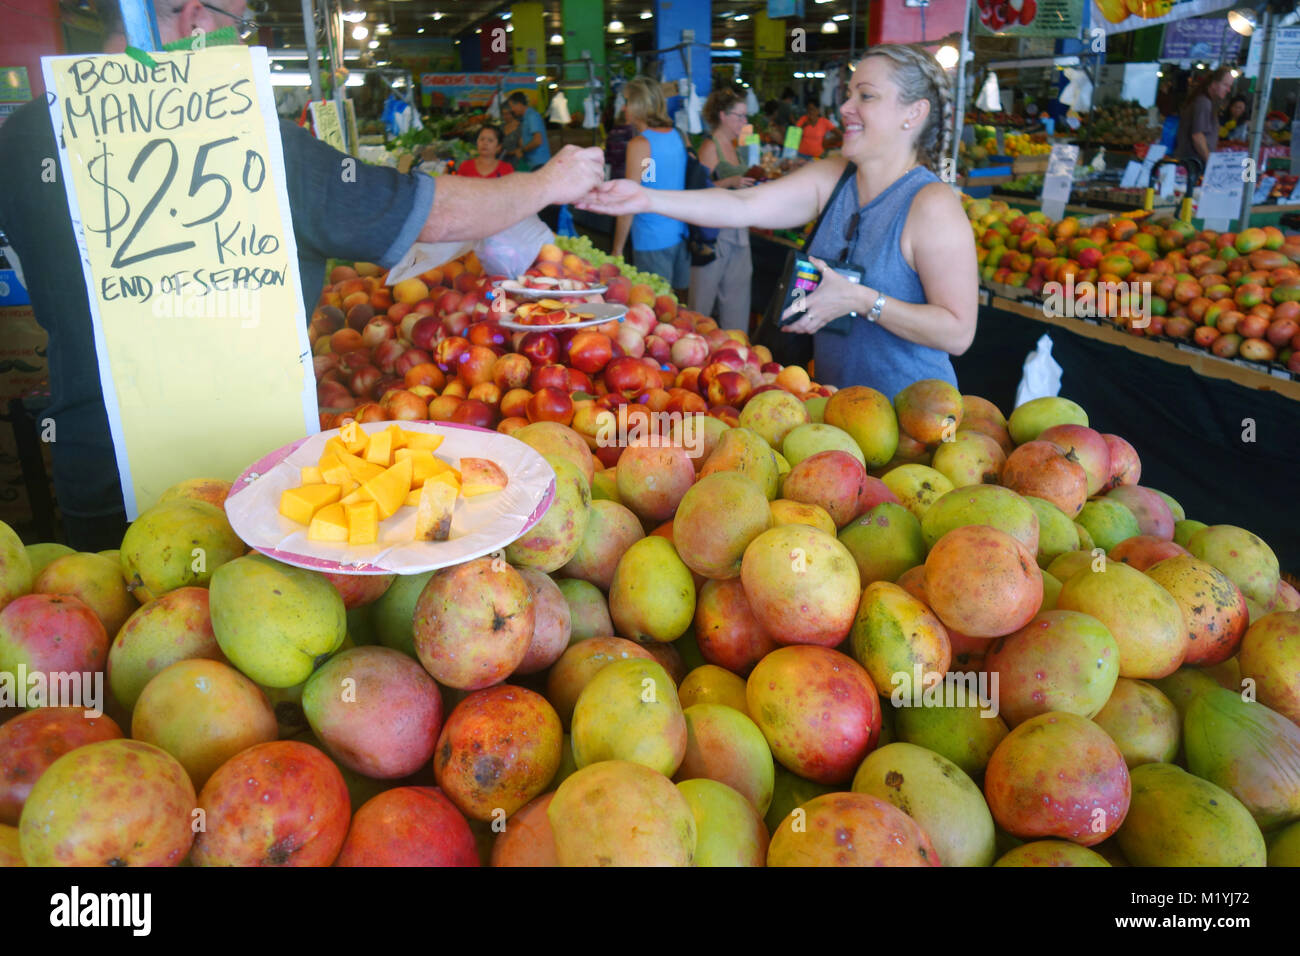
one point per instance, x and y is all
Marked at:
(325, 119)
(175, 179)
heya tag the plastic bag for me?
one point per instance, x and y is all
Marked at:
(558, 112)
(511, 251)
(1042, 376)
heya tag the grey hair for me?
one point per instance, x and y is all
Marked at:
(918, 76)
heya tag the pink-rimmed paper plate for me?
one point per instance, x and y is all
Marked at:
(479, 526)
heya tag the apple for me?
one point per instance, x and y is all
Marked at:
(409, 359)
(590, 352)
(578, 381)
(441, 408)
(447, 353)
(334, 395)
(511, 370)
(473, 412)
(669, 333)
(363, 381)
(514, 403)
(549, 376)
(324, 363)
(377, 330)
(641, 317)
(455, 323)
(405, 406)
(474, 365)
(449, 301)
(359, 315)
(541, 348)
(550, 405)
(425, 333)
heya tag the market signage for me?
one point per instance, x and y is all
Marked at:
(1118, 16)
(1205, 39)
(1221, 189)
(475, 89)
(175, 181)
(1031, 18)
(1059, 179)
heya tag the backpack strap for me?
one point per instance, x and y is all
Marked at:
(849, 171)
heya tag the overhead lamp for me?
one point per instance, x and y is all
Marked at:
(646, 14)
(354, 16)
(359, 32)
(1236, 73)
(510, 28)
(556, 39)
(373, 44)
(1160, 72)
(947, 56)
(619, 42)
(420, 30)
(1243, 20)
(383, 29)
(554, 86)
(507, 15)
(729, 41)
(615, 26)
(830, 26)
(436, 15)
(840, 17)
(739, 17)
(823, 1)
(798, 76)
(1200, 66)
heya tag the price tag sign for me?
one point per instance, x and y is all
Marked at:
(1132, 177)
(793, 137)
(1059, 179)
(325, 121)
(1221, 190)
(1262, 189)
(175, 182)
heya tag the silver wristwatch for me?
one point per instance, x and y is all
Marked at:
(879, 304)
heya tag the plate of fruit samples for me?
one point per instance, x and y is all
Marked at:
(550, 312)
(542, 287)
(383, 498)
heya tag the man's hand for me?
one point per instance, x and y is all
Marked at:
(572, 173)
(833, 297)
(618, 197)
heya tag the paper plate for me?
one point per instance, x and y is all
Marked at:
(479, 526)
(512, 287)
(602, 311)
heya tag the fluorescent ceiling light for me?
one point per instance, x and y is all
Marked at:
(382, 29)
(740, 16)
(619, 42)
(798, 76)
(615, 26)
(556, 39)
(646, 14)
(303, 79)
(729, 41)
(840, 17)
(359, 32)
(830, 27)
(373, 44)
(354, 16)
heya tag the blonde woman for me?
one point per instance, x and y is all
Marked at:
(726, 280)
(885, 212)
(656, 156)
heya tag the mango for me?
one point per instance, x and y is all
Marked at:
(1284, 846)
(965, 733)
(885, 541)
(850, 829)
(1051, 853)
(988, 505)
(588, 611)
(1142, 721)
(1185, 528)
(175, 627)
(893, 633)
(744, 451)
(16, 574)
(934, 792)
(1067, 565)
(611, 530)
(1108, 522)
(789, 792)
(1143, 617)
(1242, 556)
(1057, 534)
(652, 594)
(272, 621)
(785, 511)
(729, 831)
(175, 544)
(553, 439)
(773, 414)
(807, 440)
(1177, 819)
(579, 664)
(629, 711)
(929, 410)
(1214, 609)
(869, 419)
(801, 584)
(717, 519)
(43, 554)
(551, 543)
(393, 613)
(1035, 416)
(970, 458)
(917, 487)
(96, 581)
(1270, 656)
(723, 744)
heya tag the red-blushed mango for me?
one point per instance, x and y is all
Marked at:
(96, 581)
(1143, 550)
(1087, 447)
(375, 710)
(1176, 819)
(499, 749)
(934, 792)
(1060, 661)
(711, 684)
(212, 490)
(929, 410)
(982, 582)
(175, 627)
(1035, 416)
(1153, 514)
(744, 451)
(975, 408)
(653, 477)
(1214, 609)
(818, 710)
(917, 487)
(276, 804)
(802, 585)
(51, 633)
(669, 658)
(967, 652)
(360, 590)
(1240, 555)
(408, 826)
(808, 440)
(202, 713)
(33, 740)
(850, 829)
(551, 543)
(611, 530)
(619, 813)
(885, 541)
(1125, 466)
(553, 438)
(576, 666)
(527, 839)
(1051, 853)
(629, 711)
(869, 417)
(552, 622)
(109, 803)
(726, 630)
(723, 744)
(588, 610)
(1270, 656)
(652, 596)
(894, 633)
(989, 505)
(730, 832)
(773, 414)
(1041, 469)
(1142, 721)
(1143, 617)
(1058, 775)
(1056, 532)
(16, 574)
(833, 480)
(473, 623)
(970, 458)
(785, 511)
(717, 519)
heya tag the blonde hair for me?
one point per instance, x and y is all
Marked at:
(919, 76)
(645, 102)
(720, 100)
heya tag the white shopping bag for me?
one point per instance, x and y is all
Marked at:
(1042, 376)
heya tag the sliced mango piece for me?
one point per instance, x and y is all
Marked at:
(329, 524)
(437, 503)
(333, 449)
(360, 469)
(311, 475)
(354, 438)
(355, 496)
(425, 440)
(389, 489)
(451, 477)
(301, 504)
(380, 450)
(397, 436)
(480, 476)
(363, 522)
(413, 497)
(423, 464)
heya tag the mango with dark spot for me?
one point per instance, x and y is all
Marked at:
(1214, 609)
(1143, 617)
(850, 829)
(1177, 819)
(175, 544)
(409, 826)
(969, 459)
(33, 740)
(917, 487)
(729, 831)
(620, 813)
(1142, 721)
(895, 633)
(1242, 556)
(499, 749)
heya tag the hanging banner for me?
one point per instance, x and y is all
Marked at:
(1034, 18)
(1118, 16)
(475, 90)
(1208, 38)
(175, 182)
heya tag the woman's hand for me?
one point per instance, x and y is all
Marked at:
(734, 182)
(833, 297)
(617, 197)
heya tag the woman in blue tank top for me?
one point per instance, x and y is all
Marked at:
(891, 217)
(657, 156)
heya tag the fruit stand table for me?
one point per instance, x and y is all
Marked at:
(1189, 413)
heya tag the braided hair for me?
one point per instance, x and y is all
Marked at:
(919, 76)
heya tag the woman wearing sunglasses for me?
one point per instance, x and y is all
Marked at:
(883, 210)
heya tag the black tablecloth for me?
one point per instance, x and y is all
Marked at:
(1188, 429)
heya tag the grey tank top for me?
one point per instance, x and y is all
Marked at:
(870, 354)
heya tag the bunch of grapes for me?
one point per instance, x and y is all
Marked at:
(582, 246)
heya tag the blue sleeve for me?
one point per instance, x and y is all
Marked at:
(351, 210)
(533, 124)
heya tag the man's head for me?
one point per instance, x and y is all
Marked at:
(518, 103)
(787, 94)
(176, 20)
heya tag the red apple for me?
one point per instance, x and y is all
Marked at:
(448, 352)
(641, 317)
(405, 406)
(442, 407)
(549, 376)
(590, 351)
(409, 359)
(541, 348)
(669, 333)
(578, 381)
(474, 365)
(324, 363)
(359, 315)
(455, 323)
(363, 381)
(514, 403)
(550, 405)
(386, 354)
(449, 301)
(425, 333)
(473, 412)
(334, 395)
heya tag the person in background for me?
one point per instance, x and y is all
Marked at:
(891, 217)
(510, 132)
(1198, 131)
(534, 150)
(786, 112)
(656, 156)
(373, 217)
(726, 280)
(1234, 122)
(616, 140)
(815, 127)
(487, 164)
